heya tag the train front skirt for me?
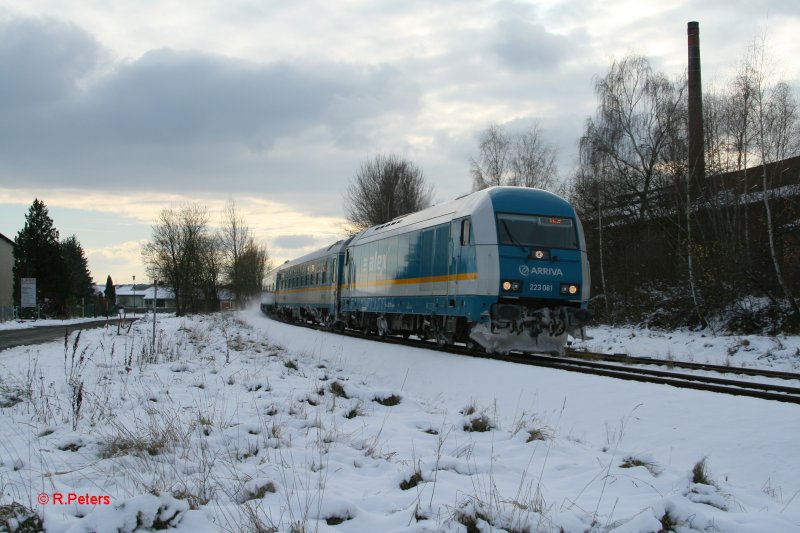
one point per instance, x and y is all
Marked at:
(508, 328)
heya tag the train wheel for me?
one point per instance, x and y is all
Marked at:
(441, 340)
(383, 327)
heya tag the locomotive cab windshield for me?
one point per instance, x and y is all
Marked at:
(538, 231)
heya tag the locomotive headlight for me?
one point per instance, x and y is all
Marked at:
(506, 285)
(569, 289)
(511, 285)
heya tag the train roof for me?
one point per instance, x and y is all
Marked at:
(332, 249)
(504, 198)
(508, 199)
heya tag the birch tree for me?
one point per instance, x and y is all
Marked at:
(522, 160)
(775, 121)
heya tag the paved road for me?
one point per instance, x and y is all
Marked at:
(41, 334)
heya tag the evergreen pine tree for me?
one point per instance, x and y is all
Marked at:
(79, 283)
(111, 291)
(37, 254)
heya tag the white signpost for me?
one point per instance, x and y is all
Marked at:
(27, 297)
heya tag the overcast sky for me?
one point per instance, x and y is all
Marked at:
(111, 111)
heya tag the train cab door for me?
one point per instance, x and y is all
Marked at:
(333, 268)
(460, 239)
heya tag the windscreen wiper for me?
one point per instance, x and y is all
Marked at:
(511, 237)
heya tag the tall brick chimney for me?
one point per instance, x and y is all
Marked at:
(697, 162)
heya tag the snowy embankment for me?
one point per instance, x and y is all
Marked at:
(779, 352)
(240, 423)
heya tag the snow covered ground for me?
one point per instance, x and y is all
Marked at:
(235, 422)
(781, 352)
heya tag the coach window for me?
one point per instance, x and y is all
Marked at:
(466, 230)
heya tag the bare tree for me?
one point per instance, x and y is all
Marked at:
(775, 119)
(533, 162)
(179, 254)
(524, 160)
(384, 188)
(494, 159)
(234, 236)
(253, 265)
(633, 178)
(208, 269)
(590, 197)
(244, 262)
(637, 111)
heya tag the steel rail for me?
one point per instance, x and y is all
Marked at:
(628, 359)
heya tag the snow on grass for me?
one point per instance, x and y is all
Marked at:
(239, 423)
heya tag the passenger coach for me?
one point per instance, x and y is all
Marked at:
(306, 288)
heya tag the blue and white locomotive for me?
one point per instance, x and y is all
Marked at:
(503, 268)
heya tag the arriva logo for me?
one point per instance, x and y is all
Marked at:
(525, 271)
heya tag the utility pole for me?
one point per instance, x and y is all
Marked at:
(155, 299)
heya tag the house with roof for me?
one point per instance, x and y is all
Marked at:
(163, 296)
(6, 277)
(139, 298)
(131, 296)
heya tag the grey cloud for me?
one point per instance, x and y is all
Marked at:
(42, 61)
(523, 45)
(293, 242)
(178, 119)
(183, 96)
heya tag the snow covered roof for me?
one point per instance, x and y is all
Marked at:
(128, 290)
(161, 293)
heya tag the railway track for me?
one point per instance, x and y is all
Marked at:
(670, 363)
(629, 368)
(627, 371)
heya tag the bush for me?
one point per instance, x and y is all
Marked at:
(700, 473)
(19, 519)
